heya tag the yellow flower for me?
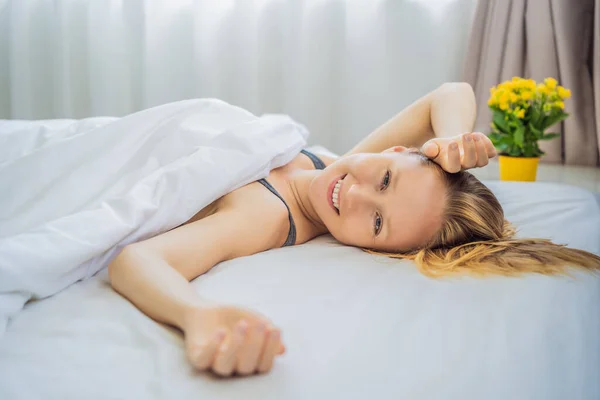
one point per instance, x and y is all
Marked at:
(492, 102)
(563, 93)
(526, 95)
(527, 84)
(530, 84)
(492, 90)
(513, 98)
(519, 113)
(508, 85)
(503, 105)
(550, 83)
(559, 104)
(541, 88)
(546, 107)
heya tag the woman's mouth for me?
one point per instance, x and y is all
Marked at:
(334, 192)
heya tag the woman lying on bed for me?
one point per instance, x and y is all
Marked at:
(384, 196)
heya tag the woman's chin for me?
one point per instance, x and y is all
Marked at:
(340, 239)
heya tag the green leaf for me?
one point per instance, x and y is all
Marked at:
(495, 137)
(535, 115)
(513, 123)
(515, 152)
(502, 148)
(553, 119)
(509, 140)
(536, 132)
(549, 136)
(519, 136)
(500, 122)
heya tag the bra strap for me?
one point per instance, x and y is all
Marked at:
(291, 238)
(319, 164)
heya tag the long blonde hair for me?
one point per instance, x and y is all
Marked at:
(476, 239)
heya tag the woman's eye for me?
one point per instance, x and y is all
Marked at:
(377, 224)
(385, 181)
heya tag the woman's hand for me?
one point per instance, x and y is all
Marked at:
(460, 152)
(228, 340)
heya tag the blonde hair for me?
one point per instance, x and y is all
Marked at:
(476, 239)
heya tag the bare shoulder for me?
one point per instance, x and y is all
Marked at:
(260, 211)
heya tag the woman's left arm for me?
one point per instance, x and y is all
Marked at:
(440, 123)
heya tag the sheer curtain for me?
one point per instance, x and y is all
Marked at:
(341, 67)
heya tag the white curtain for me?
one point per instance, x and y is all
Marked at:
(341, 67)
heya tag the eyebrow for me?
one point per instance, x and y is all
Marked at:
(395, 179)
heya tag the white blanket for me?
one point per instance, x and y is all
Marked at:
(75, 192)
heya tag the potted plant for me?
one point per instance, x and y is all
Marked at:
(522, 111)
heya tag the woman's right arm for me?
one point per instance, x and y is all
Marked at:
(154, 275)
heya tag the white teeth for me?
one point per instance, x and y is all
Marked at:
(335, 194)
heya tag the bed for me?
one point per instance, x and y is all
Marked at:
(356, 326)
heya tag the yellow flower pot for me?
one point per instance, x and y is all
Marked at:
(518, 168)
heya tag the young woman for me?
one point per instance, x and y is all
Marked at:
(381, 196)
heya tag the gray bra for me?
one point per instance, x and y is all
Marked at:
(291, 238)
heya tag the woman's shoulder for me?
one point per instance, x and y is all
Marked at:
(252, 200)
(263, 210)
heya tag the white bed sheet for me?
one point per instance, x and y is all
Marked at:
(356, 326)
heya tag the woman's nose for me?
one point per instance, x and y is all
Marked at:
(357, 196)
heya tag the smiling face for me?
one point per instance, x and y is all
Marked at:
(388, 201)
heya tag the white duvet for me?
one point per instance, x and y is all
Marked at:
(75, 192)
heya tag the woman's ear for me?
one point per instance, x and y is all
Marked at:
(395, 149)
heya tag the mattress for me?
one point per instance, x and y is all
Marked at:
(356, 326)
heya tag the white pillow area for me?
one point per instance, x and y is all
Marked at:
(563, 213)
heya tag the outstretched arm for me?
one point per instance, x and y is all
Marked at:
(154, 275)
(440, 124)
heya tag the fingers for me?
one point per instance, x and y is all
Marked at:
(469, 158)
(482, 154)
(489, 146)
(227, 356)
(202, 355)
(272, 348)
(249, 347)
(252, 349)
(453, 161)
(431, 149)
